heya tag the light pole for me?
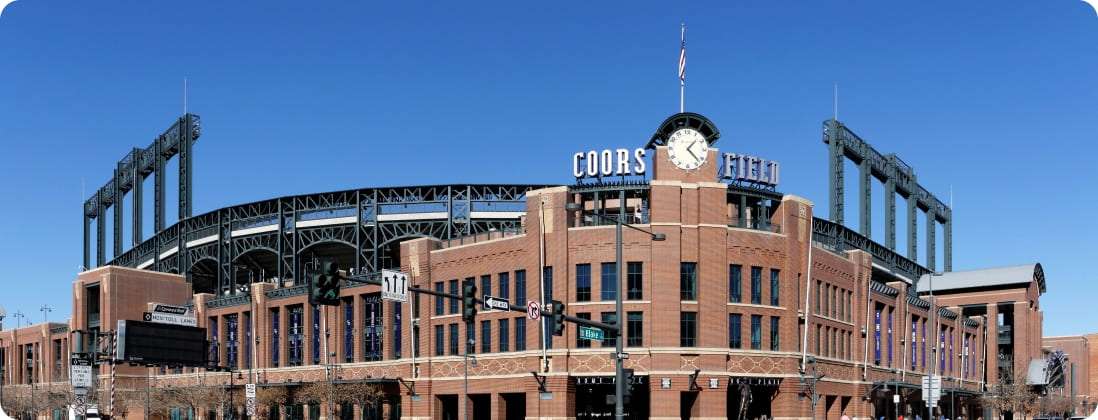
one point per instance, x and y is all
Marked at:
(465, 393)
(45, 313)
(619, 377)
(148, 388)
(18, 318)
(896, 393)
(933, 348)
(815, 397)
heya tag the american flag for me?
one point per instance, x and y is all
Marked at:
(682, 59)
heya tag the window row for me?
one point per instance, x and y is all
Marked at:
(448, 337)
(833, 301)
(608, 282)
(735, 332)
(735, 284)
(499, 287)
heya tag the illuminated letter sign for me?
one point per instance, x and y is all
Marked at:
(597, 164)
(749, 169)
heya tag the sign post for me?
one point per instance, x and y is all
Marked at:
(249, 394)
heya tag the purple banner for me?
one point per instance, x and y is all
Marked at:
(348, 332)
(914, 347)
(274, 342)
(877, 334)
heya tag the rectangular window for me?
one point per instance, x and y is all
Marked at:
(582, 343)
(470, 338)
(505, 286)
(775, 286)
(504, 335)
(486, 285)
(454, 291)
(735, 284)
(756, 285)
(774, 339)
(520, 287)
(688, 329)
(373, 328)
(819, 296)
(485, 336)
(454, 339)
(583, 282)
(688, 281)
(609, 281)
(756, 332)
(440, 341)
(735, 331)
(634, 329)
(440, 302)
(819, 338)
(297, 335)
(835, 303)
(634, 278)
(609, 318)
(520, 334)
(547, 327)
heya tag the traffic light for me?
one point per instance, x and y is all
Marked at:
(627, 384)
(469, 298)
(324, 284)
(558, 317)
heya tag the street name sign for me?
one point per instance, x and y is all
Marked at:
(394, 285)
(588, 333)
(166, 318)
(492, 302)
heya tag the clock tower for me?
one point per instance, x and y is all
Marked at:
(684, 149)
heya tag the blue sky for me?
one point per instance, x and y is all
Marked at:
(992, 103)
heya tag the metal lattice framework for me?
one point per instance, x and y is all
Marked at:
(898, 178)
(274, 240)
(224, 250)
(128, 177)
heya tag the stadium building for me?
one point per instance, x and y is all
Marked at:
(735, 300)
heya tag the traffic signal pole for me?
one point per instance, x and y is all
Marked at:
(375, 280)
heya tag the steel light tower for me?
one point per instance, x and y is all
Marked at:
(619, 377)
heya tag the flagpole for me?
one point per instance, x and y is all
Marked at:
(682, 70)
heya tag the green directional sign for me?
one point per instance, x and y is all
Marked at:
(588, 333)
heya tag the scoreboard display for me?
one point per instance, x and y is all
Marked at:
(156, 343)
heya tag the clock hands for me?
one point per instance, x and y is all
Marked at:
(689, 149)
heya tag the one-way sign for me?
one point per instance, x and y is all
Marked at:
(492, 302)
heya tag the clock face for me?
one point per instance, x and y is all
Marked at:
(687, 148)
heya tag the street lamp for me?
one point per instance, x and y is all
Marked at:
(619, 377)
(46, 309)
(816, 376)
(465, 393)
